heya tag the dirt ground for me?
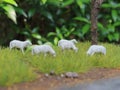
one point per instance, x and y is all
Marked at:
(54, 82)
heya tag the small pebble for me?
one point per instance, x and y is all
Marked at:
(47, 75)
(75, 75)
(71, 75)
(52, 72)
(62, 75)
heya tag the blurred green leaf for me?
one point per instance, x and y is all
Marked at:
(10, 12)
(110, 37)
(37, 36)
(106, 5)
(10, 2)
(39, 42)
(82, 19)
(111, 28)
(48, 15)
(35, 30)
(85, 29)
(25, 33)
(20, 11)
(116, 24)
(51, 34)
(114, 15)
(55, 2)
(81, 5)
(31, 12)
(44, 1)
(100, 25)
(59, 34)
(116, 36)
(110, 5)
(67, 3)
(69, 32)
(56, 40)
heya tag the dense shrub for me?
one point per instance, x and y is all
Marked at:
(51, 20)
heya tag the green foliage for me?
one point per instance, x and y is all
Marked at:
(109, 22)
(61, 33)
(7, 5)
(50, 20)
(12, 2)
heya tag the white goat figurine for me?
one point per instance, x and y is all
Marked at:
(19, 44)
(68, 44)
(96, 49)
(64, 40)
(43, 49)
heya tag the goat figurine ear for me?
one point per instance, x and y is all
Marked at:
(74, 41)
(29, 42)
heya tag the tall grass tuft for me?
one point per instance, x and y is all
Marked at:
(12, 68)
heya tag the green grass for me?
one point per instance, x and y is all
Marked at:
(13, 69)
(16, 67)
(77, 62)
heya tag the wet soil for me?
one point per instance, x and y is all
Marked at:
(53, 82)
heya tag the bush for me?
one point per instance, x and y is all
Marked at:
(51, 20)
